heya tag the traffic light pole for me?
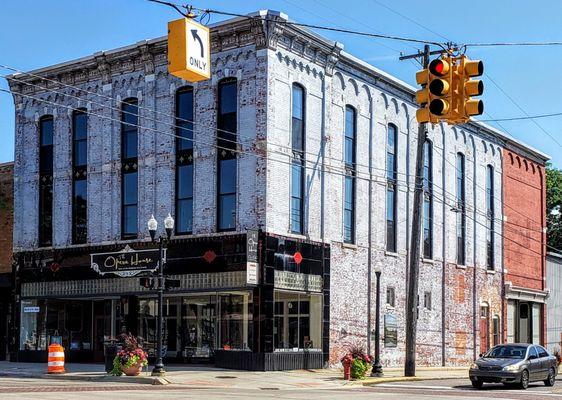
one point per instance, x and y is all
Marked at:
(415, 246)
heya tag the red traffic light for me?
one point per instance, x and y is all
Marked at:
(439, 67)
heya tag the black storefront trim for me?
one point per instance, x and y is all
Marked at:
(276, 361)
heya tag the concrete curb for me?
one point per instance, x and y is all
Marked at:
(147, 380)
(378, 381)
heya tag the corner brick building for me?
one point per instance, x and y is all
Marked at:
(292, 138)
(6, 261)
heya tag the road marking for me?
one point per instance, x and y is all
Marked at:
(394, 385)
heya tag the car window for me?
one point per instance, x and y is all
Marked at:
(507, 351)
(542, 352)
(533, 351)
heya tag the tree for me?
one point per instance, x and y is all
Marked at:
(554, 207)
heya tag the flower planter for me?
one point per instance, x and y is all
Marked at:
(133, 370)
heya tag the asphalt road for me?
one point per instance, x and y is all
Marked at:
(451, 389)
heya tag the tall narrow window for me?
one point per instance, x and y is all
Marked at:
(129, 168)
(490, 217)
(349, 159)
(391, 188)
(79, 177)
(461, 210)
(184, 160)
(297, 167)
(227, 125)
(46, 180)
(427, 201)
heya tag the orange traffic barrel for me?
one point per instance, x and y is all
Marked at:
(55, 363)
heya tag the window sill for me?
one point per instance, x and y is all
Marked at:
(391, 254)
(491, 271)
(459, 266)
(428, 261)
(297, 236)
(351, 246)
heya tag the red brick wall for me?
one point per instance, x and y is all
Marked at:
(525, 209)
(6, 216)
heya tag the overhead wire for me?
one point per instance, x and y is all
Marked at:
(341, 169)
(329, 171)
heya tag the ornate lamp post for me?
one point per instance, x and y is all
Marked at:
(377, 367)
(152, 228)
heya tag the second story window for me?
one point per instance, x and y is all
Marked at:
(427, 201)
(129, 168)
(298, 162)
(79, 177)
(227, 127)
(461, 210)
(349, 160)
(46, 180)
(391, 188)
(490, 217)
(184, 160)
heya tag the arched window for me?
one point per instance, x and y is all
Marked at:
(227, 125)
(184, 160)
(461, 210)
(391, 187)
(298, 163)
(46, 132)
(490, 216)
(428, 201)
(79, 176)
(350, 174)
(129, 168)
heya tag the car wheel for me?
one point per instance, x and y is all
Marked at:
(551, 378)
(477, 383)
(524, 384)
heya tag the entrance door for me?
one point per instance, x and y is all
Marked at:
(102, 327)
(524, 323)
(484, 330)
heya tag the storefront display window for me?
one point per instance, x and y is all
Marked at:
(195, 326)
(44, 322)
(298, 321)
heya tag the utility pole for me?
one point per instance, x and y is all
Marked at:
(413, 273)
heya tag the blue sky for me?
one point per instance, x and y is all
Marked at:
(35, 33)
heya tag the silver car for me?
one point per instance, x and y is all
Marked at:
(518, 363)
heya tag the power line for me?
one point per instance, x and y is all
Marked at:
(557, 114)
(384, 183)
(522, 109)
(499, 44)
(320, 27)
(341, 169)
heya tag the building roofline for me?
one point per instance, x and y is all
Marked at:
(409, 89)
(7, 164)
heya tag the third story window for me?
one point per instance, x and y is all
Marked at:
(46, 180)
(298, 163)
(129, 167)
(350, 174)
(184, 160)
(391, 188)
(79, 176)
(490, 217)
(427, 201)
(461, 210)
(227, 122)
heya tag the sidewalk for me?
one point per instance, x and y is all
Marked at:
(195, 376)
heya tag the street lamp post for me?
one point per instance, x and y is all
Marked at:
(152, 228)
(376, 371)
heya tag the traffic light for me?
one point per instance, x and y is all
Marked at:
(435, 94)
(171, 283)
(147, 283)
(471, 87)
(422, 96)
(440, 71)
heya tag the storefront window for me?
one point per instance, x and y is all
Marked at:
(32, 332)
(44, 322)
(194, 326)
(298, 321)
